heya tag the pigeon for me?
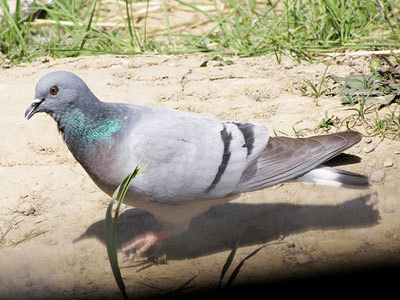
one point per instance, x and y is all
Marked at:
(189, 162)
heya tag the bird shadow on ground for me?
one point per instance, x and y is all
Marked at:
(219, 228)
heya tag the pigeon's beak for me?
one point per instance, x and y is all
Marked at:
(32, 108)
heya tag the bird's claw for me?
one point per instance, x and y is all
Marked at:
(139, 245)
(129, 255)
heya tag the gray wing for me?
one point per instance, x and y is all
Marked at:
(289, 158)
(188, 157)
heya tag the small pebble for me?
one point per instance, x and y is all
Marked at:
(26, 209)
(373, 200)
(81, 65)
(291, 245)
(378, 176)
(387, 205)
(30, 211)
(387, 163)
(367, 140)
(44, 60)
(369, 148)
(298, 258)
(120, 74)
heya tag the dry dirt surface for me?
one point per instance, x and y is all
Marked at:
(52, 214)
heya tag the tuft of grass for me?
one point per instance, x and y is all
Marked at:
(14, 32)
(386, 126)
(367, 94)
(378, 88)
(317, 90)
(225, 62)
(327, 122)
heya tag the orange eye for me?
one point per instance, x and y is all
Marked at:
(53, 90)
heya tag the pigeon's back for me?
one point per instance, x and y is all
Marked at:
(186, 156)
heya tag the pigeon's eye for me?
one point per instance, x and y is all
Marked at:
(53, 90)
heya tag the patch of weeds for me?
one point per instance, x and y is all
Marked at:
(366, 94)
(317, 91)
(380, 126)
(327, 122)
(219, 59)
(302, 132)
(379, 88)
(386, 126)
(14, 30)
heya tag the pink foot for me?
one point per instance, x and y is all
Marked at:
(143, 243)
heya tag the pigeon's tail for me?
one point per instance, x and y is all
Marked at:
(334, 177)
(287, 159)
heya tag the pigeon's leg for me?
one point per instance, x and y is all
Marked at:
(175, 218)
(141, 244)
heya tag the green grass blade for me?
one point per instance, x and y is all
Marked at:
(229, 259)
(18, 12)
(241, 263)
(195, 8)
(239, 266)
(144, 44)
(11, 24)
(89, 25)
(129, 23)
(111, 228)
(227, 264)
(111, 251)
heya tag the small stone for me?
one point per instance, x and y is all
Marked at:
(44, 60)
(369, 148)
(387, 204)
(387, 163)
(120, 74)
(30, 211)
(291, 245)
(26, 209)
(368, 140)
(373, 200)
(81, 65)
(378, 176)
(298, 258)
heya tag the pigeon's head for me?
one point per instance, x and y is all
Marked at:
(58, 92)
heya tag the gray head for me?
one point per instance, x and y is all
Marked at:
(58, 92)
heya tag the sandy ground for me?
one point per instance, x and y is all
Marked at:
(48, 201)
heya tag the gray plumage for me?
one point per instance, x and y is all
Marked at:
(189, 162)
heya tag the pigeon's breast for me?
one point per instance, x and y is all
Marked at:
(97, 145)
(102, 166)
